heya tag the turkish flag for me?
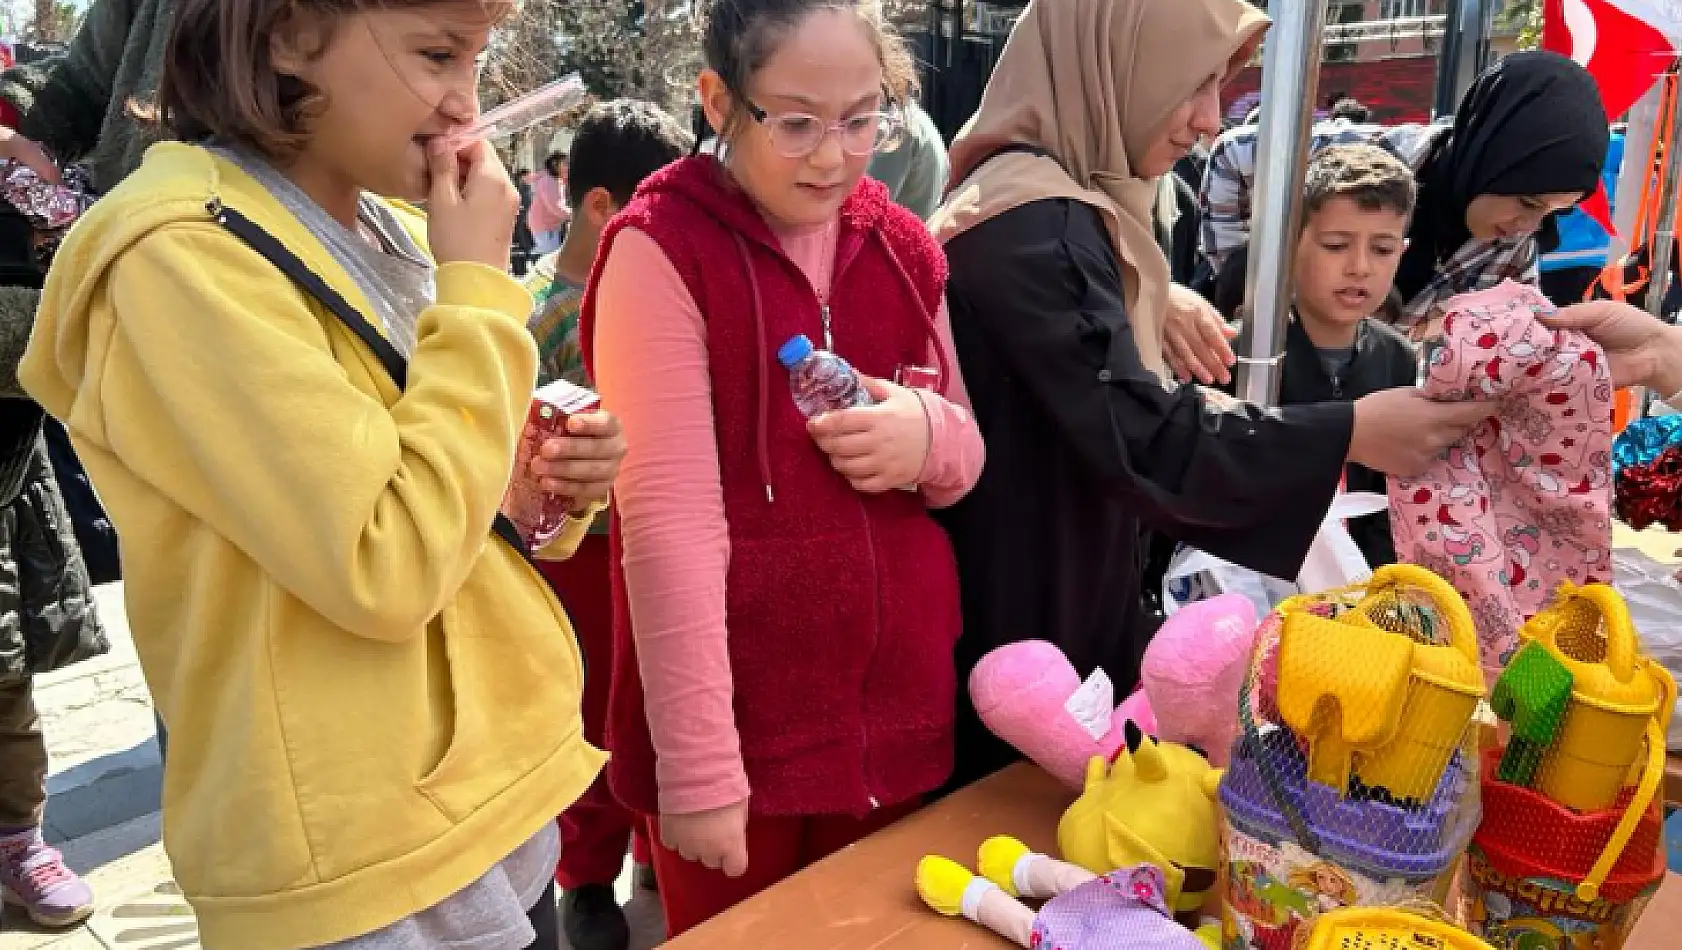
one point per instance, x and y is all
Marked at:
(1625, 44)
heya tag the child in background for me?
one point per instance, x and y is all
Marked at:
(617, 145)
(785, 611)
(1357, 201)
(306, 425)
(548, 215)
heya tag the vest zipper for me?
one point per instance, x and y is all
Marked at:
(875, 633)
(870, 656)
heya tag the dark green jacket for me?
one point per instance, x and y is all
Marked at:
(77, 105)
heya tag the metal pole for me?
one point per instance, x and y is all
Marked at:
(1664, 234)
(1290, 74)
(1465, 39)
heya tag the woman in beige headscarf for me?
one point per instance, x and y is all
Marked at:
(1058, 295)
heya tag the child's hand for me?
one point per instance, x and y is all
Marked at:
(472, 205)
(717, 838)
(583, 465)
(877, 448)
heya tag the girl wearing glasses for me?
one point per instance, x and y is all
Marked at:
(786, 612)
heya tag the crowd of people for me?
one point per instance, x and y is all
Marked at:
(300, 399)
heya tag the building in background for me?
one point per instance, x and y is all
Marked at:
(1382, 52)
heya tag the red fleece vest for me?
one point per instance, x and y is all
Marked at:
(843, 607)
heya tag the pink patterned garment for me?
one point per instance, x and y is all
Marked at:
(1523, 502)
(1122, 910)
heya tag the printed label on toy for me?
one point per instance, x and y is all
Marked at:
(1093, 704)
(1271, 890)
(1514, 912)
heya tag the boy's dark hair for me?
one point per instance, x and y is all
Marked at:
(1352, 109)
(219, 80)
(1365, 174)
(620, 143)
(555, 163)
(738, 36)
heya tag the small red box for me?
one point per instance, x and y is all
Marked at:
(538, 514)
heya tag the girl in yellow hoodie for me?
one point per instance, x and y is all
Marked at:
(302, 428)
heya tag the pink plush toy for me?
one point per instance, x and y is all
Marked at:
(1030, 695)
(1193, 670)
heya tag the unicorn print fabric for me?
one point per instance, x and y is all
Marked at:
(1524, 501)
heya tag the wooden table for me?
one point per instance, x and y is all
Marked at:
(1673, 781)
(864, 899)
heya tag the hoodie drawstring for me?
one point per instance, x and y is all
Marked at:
(929, 327)
(760, 435)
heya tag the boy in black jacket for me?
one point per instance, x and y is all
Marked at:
(1356, 204)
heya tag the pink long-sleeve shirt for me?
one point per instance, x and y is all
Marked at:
(651, 367)
(548, 206)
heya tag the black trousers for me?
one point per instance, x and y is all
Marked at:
(545, 920)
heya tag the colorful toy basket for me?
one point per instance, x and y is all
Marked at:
(1353, 782)
(1387, 928)
(1571, 846)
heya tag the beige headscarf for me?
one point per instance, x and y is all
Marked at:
(1090, 81)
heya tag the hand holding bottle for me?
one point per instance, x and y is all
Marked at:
(880, 447)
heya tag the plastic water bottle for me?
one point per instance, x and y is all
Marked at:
(822, 382)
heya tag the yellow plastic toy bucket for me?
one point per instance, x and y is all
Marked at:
(1376, 701)
(1615, 693)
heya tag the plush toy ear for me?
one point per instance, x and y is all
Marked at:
(1126, 848)
(1133, 735)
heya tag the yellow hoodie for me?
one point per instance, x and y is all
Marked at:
(371, 698)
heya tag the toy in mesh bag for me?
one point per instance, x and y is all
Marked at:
(1571, 845)
(1387, 928)
(1354, 779)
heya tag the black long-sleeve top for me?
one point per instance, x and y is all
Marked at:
(1086, 449)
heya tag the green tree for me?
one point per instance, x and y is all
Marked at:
(1522, 18)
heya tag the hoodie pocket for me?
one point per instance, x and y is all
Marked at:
(512, 688)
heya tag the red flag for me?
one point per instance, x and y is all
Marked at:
(1625, 44)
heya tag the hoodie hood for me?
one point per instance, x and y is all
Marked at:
(177, 186)
(702, 182)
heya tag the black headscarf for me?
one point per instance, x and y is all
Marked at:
(1532, 124)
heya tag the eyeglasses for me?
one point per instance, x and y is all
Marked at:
(797, 135)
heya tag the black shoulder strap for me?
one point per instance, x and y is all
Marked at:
(289, 264)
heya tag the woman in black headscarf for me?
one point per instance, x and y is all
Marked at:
(1528, 140)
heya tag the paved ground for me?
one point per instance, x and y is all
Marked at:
(103, 809)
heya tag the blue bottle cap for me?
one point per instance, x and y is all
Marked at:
(795, 350)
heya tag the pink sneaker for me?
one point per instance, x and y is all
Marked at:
(33, 876)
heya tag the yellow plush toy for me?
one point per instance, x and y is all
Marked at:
(1140, 847)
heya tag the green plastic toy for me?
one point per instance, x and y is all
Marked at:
(1532, 694)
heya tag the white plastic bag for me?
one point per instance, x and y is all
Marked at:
(1654, 596)
(1333, 561)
